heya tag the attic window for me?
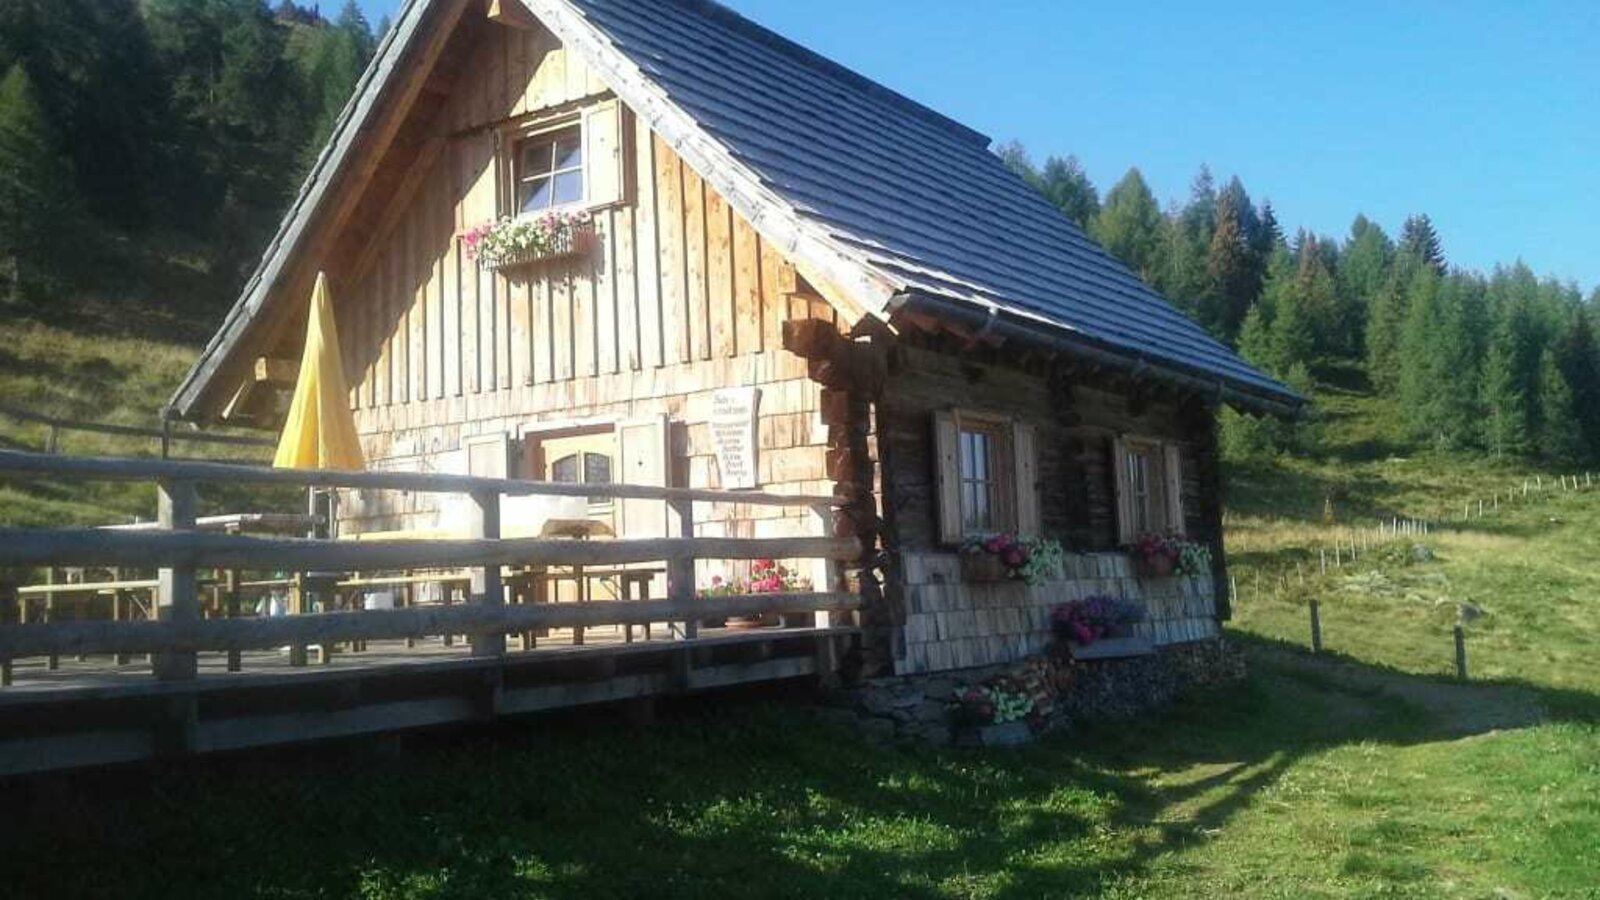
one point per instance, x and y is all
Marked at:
(547, 170)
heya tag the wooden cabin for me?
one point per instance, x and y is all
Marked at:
(797, 281)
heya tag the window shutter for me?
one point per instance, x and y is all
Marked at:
(602, 142)
(947, 475)
(1123, 490)
(1173, 470)
(1026, 477)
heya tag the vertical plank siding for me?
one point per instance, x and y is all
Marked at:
(680, 297)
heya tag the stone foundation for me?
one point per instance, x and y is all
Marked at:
(1066, 692)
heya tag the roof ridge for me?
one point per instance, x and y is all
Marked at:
(724, 15)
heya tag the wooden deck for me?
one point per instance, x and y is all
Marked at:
(125, 690)
(95, 712)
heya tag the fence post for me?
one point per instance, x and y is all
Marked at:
(177, 593)
(680, 573)
(1461, 652)
(825, 573)
(1316, 626)
(486, 588)
(231, 586)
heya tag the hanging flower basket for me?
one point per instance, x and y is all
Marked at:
(510, 243)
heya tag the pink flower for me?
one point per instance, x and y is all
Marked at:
(716, 580)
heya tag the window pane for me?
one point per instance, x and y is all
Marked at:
(569, 187)
(569, 151)
(565, 470)
(980, 448)
(533, 195)
(535, 158)
(596, 468)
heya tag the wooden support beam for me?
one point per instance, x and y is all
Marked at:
(487, 590)
(512, 14)
(178, 594)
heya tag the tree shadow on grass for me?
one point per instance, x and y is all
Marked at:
(741, 795)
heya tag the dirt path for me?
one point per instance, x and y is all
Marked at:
(1458, 709)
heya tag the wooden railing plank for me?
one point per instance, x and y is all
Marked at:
(215, 635)
(16, 462)
(91, 547)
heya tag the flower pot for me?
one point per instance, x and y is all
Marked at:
(573, 243)
(982, 568)
(1157, 566)
(1010, 734)
(750, 623)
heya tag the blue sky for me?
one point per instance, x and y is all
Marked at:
(1484, 115)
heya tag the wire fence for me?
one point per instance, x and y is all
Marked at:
(1348, 545)
(167, 434)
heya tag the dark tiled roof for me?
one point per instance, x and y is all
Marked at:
(919, 195)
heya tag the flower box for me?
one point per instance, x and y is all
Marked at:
(983, 568)
(568, 245)
(1112, 648)
(511, 244)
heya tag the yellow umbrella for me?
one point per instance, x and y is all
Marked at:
(320, 432)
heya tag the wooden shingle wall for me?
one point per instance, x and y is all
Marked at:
(680, 297)
(950, 624)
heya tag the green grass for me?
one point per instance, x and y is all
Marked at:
(82, 376)
(1366, 772)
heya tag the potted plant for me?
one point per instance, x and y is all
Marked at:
(515, 242)
(1194, 559)
(1154, 555)
(1094, 618)
(766, 577)
(999, 557)
(994, 713)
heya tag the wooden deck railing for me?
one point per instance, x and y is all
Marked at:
(179, 549)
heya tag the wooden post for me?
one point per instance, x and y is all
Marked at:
(231, 585)
(1316, 627)
(297, 604)
(487, 589)
(1461, 652)
(53, 662)
(680, 573)
(826, 573)
(177, 594)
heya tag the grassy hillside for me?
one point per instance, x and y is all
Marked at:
(81, 375)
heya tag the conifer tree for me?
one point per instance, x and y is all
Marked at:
(1130, 224)
(1579, 361)
(36, 203)
(1507, 386)
(1066, 185)
(1269, 234)
(1419, 240)
(1230, 273)
(1560, 434)
(1294, 336)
